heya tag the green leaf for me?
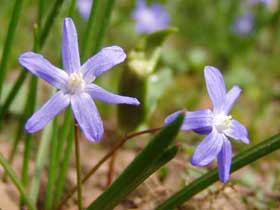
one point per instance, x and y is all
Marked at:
(150, 159)
(11, 173)
(246, 157)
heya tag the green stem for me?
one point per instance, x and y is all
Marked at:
(78, 167)
(72, 8)
(246, 157)
(92, 24)
(9, 41)
(50, 21)
(52, 167)
(104, 25)
(64, 168)
(42, 156)
(11, 173)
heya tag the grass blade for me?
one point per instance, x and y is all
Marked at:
(10, 172)
(104, 23)
(9, 40)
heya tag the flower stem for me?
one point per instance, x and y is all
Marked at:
(119, 143)
(78, 167)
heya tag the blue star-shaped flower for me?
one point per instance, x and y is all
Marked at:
(217, 124)
(75, 84)
(150, 18)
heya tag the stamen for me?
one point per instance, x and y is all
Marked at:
(222, 122)
(76, 83)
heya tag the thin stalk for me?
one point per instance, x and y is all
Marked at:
(64, 168)
(91, 24)
(11, 173)
(41, 9)
(111, 169)
(104, 25)
(28, 140)
(244, 158)
(50, 21)
(52, 167)
(25, 164)
(72, 8)
(119, 143)
(41, 158)
(9, 41)
(78, 167)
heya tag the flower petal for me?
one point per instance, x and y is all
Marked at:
(87, 116)
(42, 68)
(70, 47)
(200, 121)
(215, 86)
(231, 97)
(208, 149)
(104, 60)
(49, 110)
(224, 161)
(238, 132)
(99, 93)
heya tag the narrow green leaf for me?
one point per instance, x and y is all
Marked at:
(246, 157)
(9, 41)
(10, 172)
(141, 167)
(64, 168)
(52, 166)
(41, 159)
(104, 23)
(92, 24)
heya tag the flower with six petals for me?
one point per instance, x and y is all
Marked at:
(216, 123)
(75, 84)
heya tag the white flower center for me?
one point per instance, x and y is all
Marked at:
(76, 83)
(222, 122)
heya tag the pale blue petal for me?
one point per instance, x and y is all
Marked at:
(70, 47)
(216, 87)
(238, 132)
(49, 110)
(208, 149)
(87, 116)
(42, 68)
(99, 93)
(231, 97)
(224, 161)
(199, 121)
(104, 60)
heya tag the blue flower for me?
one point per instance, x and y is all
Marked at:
(217, 124)
(84, 8)
(75, 84)
(243, 24)
(150, 18)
